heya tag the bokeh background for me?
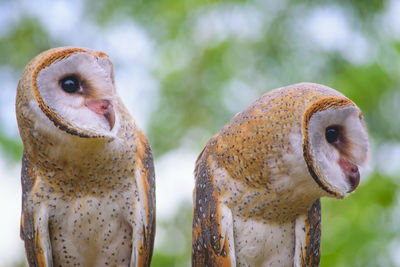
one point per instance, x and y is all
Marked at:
(184, 68)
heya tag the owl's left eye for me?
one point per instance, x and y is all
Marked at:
(70, 84)
(332, 134)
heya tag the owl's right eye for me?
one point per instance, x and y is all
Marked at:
(332, 134)
(70, 84)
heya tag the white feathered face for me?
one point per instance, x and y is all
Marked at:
(79, 91)
(338, 145)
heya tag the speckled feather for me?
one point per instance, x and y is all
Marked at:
(247, 207)
(88, 200)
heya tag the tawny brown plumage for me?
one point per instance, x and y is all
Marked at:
(259, 180)
(87, 169)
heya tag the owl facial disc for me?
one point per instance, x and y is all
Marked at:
(75, 89)
(335, 136)
(335, 144)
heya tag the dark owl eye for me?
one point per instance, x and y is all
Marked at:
(70, 84)
(332, 134)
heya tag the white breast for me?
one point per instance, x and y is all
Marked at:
(91, 232)
(261, 244)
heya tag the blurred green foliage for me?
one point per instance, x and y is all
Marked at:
(208, 74)
(22, 42)
(176, 246)
(359, 230)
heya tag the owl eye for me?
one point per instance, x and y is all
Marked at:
(70, 84)
(332, 134)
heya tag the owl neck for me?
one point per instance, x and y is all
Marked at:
(281, 201)
(58, 150)
(268, 206)
(267, 180)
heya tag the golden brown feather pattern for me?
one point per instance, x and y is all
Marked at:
(257, 189)
(310, 253)
(86, 201)
(209, 247)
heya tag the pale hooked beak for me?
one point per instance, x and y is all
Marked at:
(351, 172)
(102, 107)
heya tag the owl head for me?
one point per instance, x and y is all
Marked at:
(303, 141)
(70, 88)
(325, 130)
(335, 141)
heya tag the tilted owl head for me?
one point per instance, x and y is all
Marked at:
(72, 88)
(335, 141)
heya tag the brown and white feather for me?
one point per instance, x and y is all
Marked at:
(259, 180)
(88, 188)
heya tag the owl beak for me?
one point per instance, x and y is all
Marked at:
(102, 107)
(351, 172)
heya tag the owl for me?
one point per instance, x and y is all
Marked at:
(87, 169)
(260, 179)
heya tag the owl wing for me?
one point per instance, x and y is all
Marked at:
(308, 237)
(34, 233)
(212, 235)
(146, 185)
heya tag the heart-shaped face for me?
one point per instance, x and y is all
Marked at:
(75, 89)
(336, 143)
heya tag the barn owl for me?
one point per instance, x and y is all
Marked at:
(259, 180)
(87, 169)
